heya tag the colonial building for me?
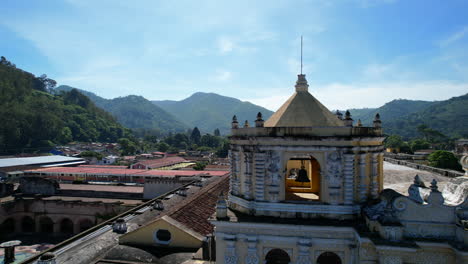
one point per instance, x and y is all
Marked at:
(306, 187)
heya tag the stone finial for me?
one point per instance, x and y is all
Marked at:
(418, 182)
(359, 123)
(158, 205)
(246, 123)
(435, 197)
(119, 226)
(377, 122)
(301, 83)
(339, 115)
(434, 187)
(259, 122)
(234, 123)
(348, 121)
(221, 207)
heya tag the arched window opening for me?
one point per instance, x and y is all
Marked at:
(329, 258)
(302, 179)
(46, 225)
(8, 226)
(66, 226)
(28, 225)
(277, 256)
(85, 224)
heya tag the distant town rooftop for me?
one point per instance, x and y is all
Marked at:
(124, 172)
(39, 161)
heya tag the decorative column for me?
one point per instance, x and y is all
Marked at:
(252, 256)
(273, 176)
(260, 176)
(334, 177)
(234, 155)
(363, 187)
(304, 253)
(248, 175)
(375, 175)
(348, 178)
(230, 256)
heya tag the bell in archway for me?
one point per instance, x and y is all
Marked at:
(302, 175)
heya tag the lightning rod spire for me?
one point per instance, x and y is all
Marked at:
(301, 54)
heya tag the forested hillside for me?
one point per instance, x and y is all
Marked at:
(449, 117)
(389, 111)
(209, 111)
(402, 117)
(31, 118)
(136, 112)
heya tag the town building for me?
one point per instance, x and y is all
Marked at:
(307, 187)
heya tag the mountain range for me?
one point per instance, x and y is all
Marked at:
(403, 116)
(209, 111)
(32, 118)
(135, 112)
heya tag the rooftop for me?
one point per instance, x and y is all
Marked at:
(303, 110)
(124, 172)
(9, 162)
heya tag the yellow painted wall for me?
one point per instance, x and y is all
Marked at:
(145, 236)
(313, 172)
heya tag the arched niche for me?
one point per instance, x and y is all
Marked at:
(329, 258)
(302, 178)
(85, 224)
(8, 226)
(28, 225)
(66, 226)
(277, 256)
(46, 225)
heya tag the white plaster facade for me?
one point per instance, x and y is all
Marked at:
(261, 218)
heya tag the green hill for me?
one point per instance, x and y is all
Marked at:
(209, 111)
(34, 119)
(449, 117)
(389, 111)
(135, 112)
(402, 116)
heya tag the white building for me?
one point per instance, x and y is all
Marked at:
(306, 187)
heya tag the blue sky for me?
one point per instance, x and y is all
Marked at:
(357, 53)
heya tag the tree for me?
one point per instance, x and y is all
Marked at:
(223, 151)
(65, 135)
(127, 146)
(217, 132)
(199, 166)
(49, 84)
(444, 159)
(163, 146)
(394, 141)
(195, 136)
(419, 144)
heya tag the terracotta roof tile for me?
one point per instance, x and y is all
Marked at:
(194, 212)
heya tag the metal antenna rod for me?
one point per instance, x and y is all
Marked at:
(301, 54)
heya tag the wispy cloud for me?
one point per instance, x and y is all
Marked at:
(225, 45)
(454, 37)
(223, 75)
(347, 96)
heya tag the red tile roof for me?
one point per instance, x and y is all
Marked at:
(124, 172)
(194, 212)
(103, 166)
(157, 163)
(102, 188)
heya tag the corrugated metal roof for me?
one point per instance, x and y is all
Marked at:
(36, 160)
